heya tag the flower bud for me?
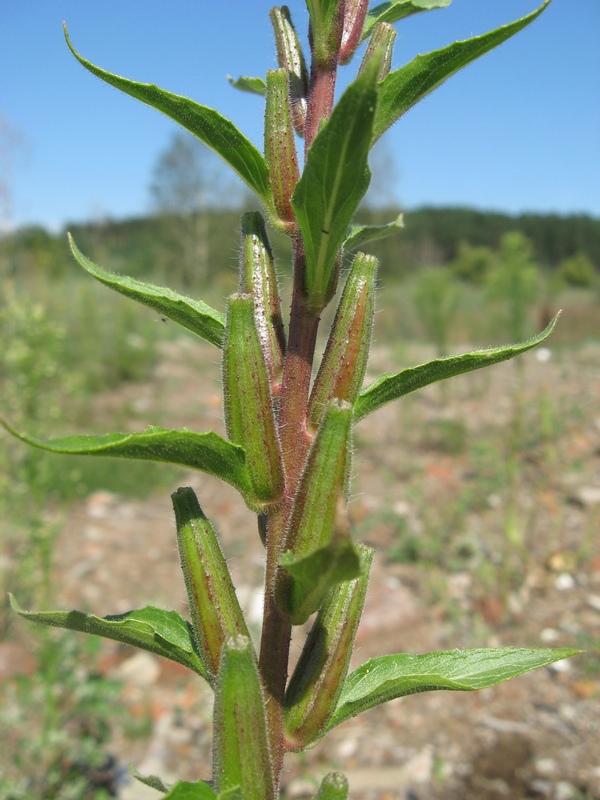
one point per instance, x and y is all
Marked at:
(345, 359)
(291, 58)
(214, 607)
(258, 278)
(318, 549)
(248, 404)
(241, 750)
(325, 32)
(316, 684)
(334, 786)
(355, 12)
(382, 38)
(280, 147)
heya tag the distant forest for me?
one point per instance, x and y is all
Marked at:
(203, 246)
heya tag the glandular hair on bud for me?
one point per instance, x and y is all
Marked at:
(344, 361)
(248, 403)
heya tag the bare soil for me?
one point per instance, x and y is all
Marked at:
(511, 557)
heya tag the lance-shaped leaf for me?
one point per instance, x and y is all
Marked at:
(355, 12)
(387, 677)
(382, 38)
(334, 786)
(345, 358)
(207, 452)
(247, 84)
(280, 147)
(316, 684)
(241, 750)
(194, 315)
(258, 278)
(391, 386)
(335, 178)
(153, 781)
(247, 400)
(326, 25)
(319, 553)
(398, 9)
(217, 132)
(164, 633)
(359, 235)
(291, 58)
(214, 607)
(409, 84)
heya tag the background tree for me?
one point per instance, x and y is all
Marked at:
(187, 181)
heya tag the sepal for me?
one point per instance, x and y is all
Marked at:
(214, 607)
(247, 401)
(241, 751)
(344, 362)
(316, 684)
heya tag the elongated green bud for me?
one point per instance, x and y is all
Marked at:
(319, 552)
(280, 146)
(247, 401)
(214, 608)
(258, 278)
(334, 786)
(241, 750)
(355, 12)
(345, 359)
(291, 58)
(326, 25)
(316, 684)
(382, 38)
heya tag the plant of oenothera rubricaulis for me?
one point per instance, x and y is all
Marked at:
(289, 434)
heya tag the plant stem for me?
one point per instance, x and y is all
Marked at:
(319, 101)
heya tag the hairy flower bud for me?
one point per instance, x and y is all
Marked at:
(291, 58)
(355, 12)
(326, 26)
(214, 607)
(258, 278)
(241, 750)
(317, 681)
(334, 786)
(248, 403)
(280, 147)
(382, 38)
(345, 359)
(318, 549)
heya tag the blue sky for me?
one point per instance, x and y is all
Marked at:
(518, 130)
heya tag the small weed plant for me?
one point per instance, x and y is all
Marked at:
(289, 432)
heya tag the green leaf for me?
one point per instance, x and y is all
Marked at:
(388, 677)
(164, 633)
(409, 84)
(207, 452)
(335, 178)
(217, 132)
(395, 11)
(359, 235)
(194, 315)
(316, 574)
(246, 84)
(191, 791)
(391, 386)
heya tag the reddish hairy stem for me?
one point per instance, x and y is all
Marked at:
(320, 100)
